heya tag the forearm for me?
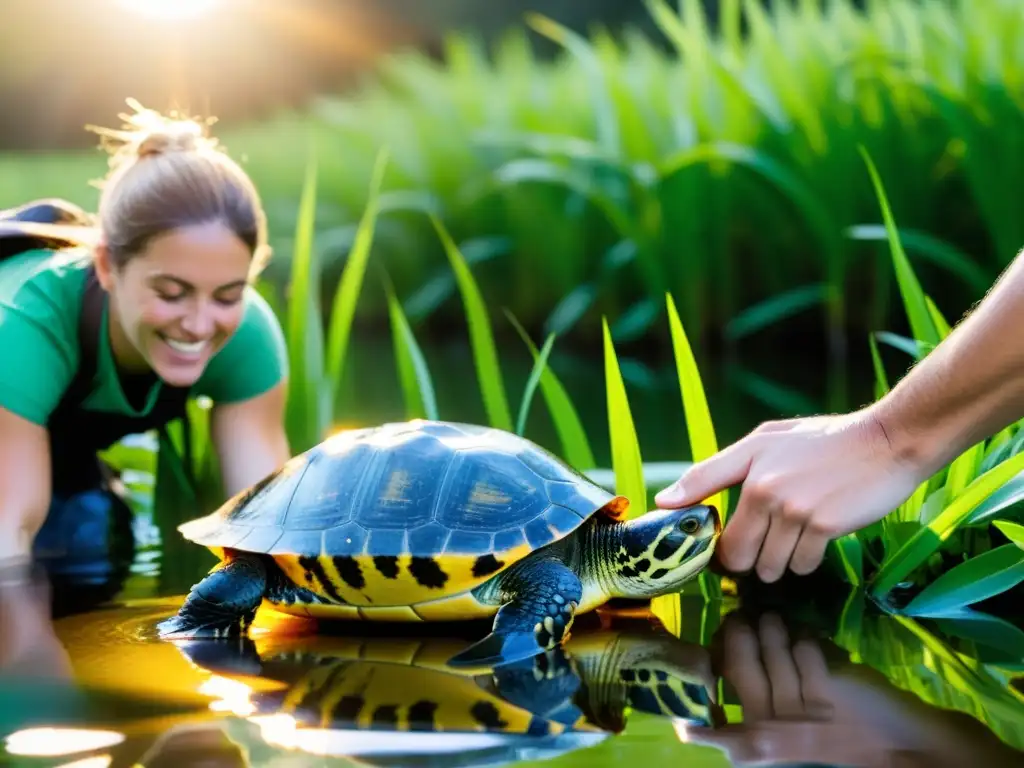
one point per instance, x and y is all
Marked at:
(968, 388)
(18, 528)
(250, 439)
(244, 465)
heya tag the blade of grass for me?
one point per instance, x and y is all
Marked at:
(627, 462)
(938, 252)
(916, 306)
(575, 445)
(485, 354)
(1013, 531)
(930, 537)
(531, 384)
(774, 310)
(304, 416)
(417, 386)
(976, 579)
(347, 294)
(881, 380)
(699, 425)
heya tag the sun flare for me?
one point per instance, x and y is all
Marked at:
(169, 9)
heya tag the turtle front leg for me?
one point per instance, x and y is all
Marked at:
(223, 604)
(542, 596)
(545, 685)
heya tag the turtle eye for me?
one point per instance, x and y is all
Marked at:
(690, 525)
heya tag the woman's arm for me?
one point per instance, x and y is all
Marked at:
(250, 438)
(24, 486)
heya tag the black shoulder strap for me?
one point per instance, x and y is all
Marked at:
(90, 320)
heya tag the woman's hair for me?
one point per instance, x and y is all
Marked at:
(166, 173)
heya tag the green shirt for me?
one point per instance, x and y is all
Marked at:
(40, 300)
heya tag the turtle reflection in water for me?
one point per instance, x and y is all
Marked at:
(437, 521)
(403, 691)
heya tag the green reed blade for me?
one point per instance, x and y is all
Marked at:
(699, 425)
(347, 293)
(965, 466)
(774, 310)
(958, 263)
(972, 581)
(627, 462)
(881, 380)
(921, 324)
(983, 629)
(304, 418)
(531, 384)
(930, 537)
(485, 354)
(942, 327)
(1013, 531)
(966, 676)
(575, 445)
(916, 349)
(850, 554)
(413, 372)
(543, 171)
(1006, 442)
(606, 120)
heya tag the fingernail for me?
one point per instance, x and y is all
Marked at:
(670, 494)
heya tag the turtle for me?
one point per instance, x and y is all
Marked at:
(428, 520)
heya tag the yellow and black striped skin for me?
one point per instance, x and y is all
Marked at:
(648, 671)
(381, 695)
(390, 684)
(401, 522)
(405, 684)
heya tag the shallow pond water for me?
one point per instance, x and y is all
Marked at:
(791, 675)
(766, 686)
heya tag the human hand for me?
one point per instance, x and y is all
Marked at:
(804, 702)
(29, 647)
(804, 482)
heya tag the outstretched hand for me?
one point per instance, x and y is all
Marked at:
(804, 482)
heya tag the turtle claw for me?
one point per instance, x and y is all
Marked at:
(497, 649)
(536, 619)
(188, 628)
(221, 605)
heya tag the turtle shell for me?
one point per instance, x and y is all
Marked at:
(406, 512)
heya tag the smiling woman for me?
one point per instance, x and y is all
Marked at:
(113, 339)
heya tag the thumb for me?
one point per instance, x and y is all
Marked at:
(706, 478)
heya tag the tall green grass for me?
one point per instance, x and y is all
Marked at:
(721, 168)
(621, 171)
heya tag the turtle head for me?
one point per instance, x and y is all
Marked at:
(660, 551)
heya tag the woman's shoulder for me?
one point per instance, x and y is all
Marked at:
(40, 299)
(254, 359)
(44, 287)
(44, 272)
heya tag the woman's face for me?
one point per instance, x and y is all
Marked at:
(177, 303)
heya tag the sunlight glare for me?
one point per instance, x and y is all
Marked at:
(56, 742)
(169, 9)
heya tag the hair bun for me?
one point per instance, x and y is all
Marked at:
(147, 133)
(182, 137)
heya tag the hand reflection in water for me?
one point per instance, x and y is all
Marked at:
(29, 648)
(798, 708)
